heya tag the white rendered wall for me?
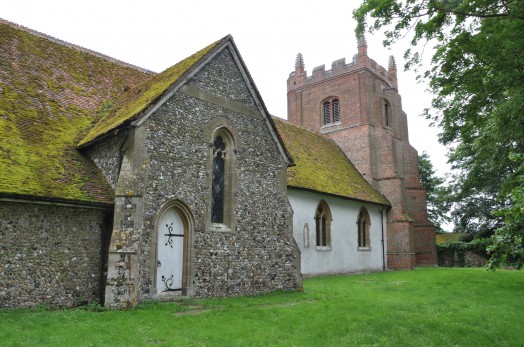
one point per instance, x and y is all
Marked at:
(343, 256)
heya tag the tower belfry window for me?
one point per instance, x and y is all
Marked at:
(336, 111)
(330, 111)
(327, 112)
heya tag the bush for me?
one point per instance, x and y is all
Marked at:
(455, 253)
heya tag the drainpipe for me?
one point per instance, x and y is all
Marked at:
(383, 248)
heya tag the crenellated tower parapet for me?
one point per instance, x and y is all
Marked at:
(299, 78)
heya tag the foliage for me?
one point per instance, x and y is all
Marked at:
(453, 253)
(477, 77)
(436, 193)
(83, 304)
(508, 241)
(430, 306)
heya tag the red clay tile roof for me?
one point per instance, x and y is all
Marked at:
(51, 94)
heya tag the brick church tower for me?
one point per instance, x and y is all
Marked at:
(357, 104)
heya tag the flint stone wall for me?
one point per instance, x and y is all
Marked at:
(49, 254)
(460, 258)
(259, 255)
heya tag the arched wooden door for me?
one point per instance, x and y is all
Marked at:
(172, 235)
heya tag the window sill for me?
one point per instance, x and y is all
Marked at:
(364, 249)
(331, 124)
(323, 248)
(327, 128)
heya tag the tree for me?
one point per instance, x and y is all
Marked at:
(508, 241)
(436, 192)
(477, 77)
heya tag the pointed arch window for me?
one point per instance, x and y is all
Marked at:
(363, 224)
(323, 225)
(330, 110)
(218, 190)
(222, 180)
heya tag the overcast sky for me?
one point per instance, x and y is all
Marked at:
(156, 34)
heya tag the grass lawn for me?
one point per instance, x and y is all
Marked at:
(424, 307)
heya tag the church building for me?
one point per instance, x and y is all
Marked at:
(121, 185)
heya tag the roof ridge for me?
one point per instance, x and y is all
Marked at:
(74, 46)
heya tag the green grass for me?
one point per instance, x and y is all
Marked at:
(424, 307)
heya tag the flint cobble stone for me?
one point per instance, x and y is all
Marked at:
(49, 254)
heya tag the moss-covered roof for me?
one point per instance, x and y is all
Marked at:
(54, 95)
(138, 99)
(51, 94)
(323, 167)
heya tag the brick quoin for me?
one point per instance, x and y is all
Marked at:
(373, 133)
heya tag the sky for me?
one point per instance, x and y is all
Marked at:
(156, 34)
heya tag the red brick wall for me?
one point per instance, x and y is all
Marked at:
(305, 103)
(426, 253)
(400, 244)
(355, 143)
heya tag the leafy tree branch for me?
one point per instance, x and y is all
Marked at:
(477, 78)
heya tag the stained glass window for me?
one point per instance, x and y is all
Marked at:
(218, 187)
